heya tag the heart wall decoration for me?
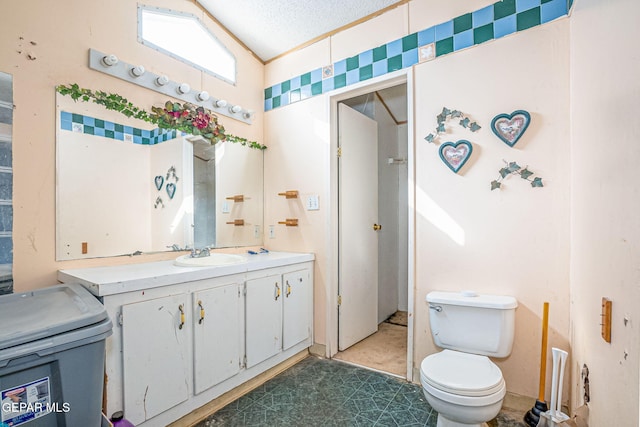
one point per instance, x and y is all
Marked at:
(510, 127)
(455, 155)
(171, 190)
(158, 180)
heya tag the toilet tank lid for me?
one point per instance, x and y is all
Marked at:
(471, 299)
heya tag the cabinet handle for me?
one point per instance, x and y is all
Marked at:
(181, 308)
(201, 313)
(288, 289)
(277, 293)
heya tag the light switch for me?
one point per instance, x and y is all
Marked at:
(313, 203)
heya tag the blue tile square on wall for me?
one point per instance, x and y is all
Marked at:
(394, 48)
(522, 5)
(340, 67)
(504, 26)
(366, 58)
(410, 58)
(552, 10)
(444, 30)
(483, 16)
(427, 36)
(463, 40)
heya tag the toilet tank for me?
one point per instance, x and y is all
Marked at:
(473, 323)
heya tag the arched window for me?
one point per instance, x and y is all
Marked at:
(182, 36)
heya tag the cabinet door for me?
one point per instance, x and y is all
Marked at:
(155, 356)
(296, 310)
(263, 313)
(218, 335)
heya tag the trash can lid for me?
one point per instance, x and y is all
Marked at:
(30, 316)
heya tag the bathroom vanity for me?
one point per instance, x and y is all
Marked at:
(184, 335)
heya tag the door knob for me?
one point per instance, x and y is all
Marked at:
(377, 227)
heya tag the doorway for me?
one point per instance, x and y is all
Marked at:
(373, 319)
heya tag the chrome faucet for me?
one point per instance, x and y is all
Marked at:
(195, 253)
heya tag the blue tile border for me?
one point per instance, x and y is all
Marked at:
(489, 23)
(92, 126)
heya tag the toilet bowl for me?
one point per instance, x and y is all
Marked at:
(465, 389)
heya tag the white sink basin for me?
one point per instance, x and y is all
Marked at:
(213, 260)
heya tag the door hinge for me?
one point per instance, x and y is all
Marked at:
(339, 151)
(339, 299)
(120, 318)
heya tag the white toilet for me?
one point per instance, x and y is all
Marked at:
(460, 382)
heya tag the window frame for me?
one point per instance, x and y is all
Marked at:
(176, 56)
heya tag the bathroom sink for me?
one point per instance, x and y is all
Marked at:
(213, 260)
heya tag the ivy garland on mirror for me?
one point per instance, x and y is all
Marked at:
(186, 117)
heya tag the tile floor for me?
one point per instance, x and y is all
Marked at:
(320, 392)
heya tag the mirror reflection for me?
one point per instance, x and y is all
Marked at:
(125, 187)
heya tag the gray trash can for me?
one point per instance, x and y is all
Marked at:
(52, 350)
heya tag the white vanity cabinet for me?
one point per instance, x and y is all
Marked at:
(185, 335)
(277, 313)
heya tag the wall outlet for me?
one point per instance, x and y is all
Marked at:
(272, 231)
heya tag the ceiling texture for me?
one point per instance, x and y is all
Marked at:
(273, 27)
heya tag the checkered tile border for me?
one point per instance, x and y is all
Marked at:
(92, 126)
(489, 23)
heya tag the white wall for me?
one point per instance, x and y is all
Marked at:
(515, 241)
(605, 201)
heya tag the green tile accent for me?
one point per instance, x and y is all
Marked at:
(462, 23)
(380, 53)
(316, 88)
(118, 128)
(483, 34)
(527, 19)
(504, 8)
(410, 42)
(99, 123)
(137, 132)
(145, 141)
(545, 1)
(339, 81)
(285, 86)
(109, 134)
(366, 72)
(276, 101)
(89, 130)
(76, 118)
(444, 46)
(267, 93)
(353, 63)
(305, 79)
(395, 63)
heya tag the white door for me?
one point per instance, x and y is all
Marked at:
(263, 311)
(155, 339)
(358, 212)
(218, 335)
(296, 314)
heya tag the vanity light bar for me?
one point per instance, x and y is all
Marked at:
(137, 74)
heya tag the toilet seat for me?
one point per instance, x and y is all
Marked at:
(463, 375)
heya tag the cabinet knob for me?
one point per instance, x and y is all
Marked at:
(201, 313)
(181, 308)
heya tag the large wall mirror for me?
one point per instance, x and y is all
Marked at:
(126, 187)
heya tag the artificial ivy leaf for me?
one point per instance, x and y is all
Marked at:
(495, 184)
(537, 182)
(513, 167)
(474, 127)
(445, 111)
(429, 137)
(464, 122)
(440, 128)
(456, 114)
(525, 173)
(504, 172)
(440, 118)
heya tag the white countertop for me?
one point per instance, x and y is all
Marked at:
(102, 281)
